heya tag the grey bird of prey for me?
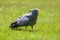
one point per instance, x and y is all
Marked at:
(26, 19)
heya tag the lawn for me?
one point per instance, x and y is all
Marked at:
(46, 28)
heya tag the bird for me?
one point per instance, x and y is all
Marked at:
(28, 19)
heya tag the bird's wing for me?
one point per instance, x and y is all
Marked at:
(22, 20)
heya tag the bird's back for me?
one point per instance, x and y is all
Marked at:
(27, 20)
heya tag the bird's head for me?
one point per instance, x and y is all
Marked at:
(35, 10)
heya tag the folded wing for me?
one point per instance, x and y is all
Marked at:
(23, 20)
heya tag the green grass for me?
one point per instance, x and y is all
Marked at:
(46, 28)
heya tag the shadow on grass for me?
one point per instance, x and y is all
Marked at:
(36, 30)
(23, 30)
(27, 30)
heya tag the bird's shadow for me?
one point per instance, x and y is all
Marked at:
(23, 30)
(27, 30)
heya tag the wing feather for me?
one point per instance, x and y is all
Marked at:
(22, 20)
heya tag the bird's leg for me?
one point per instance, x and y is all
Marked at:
(32, 27)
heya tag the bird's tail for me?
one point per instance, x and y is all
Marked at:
(13, 25)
